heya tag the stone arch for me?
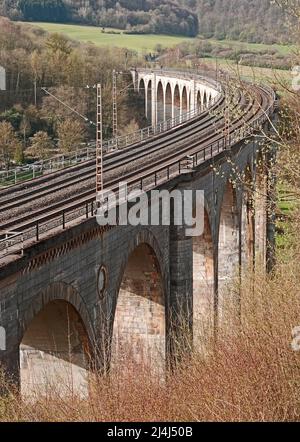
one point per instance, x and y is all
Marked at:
(142, 87)
(228, 255)
(169, 102)
(55, 349)
(149, 100)
(199, 104)
(177, 101)
(205, 101)
(260, 212)
(55, 292)
(160, 102)
(143, 94)
(203, 286)
(184, 101)
(139, 326)
(247, 221)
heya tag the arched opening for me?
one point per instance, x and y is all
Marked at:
(260, 212)
(210, 100)
(160, 103)
(184, 103)
(139, 323)
(149, 101)
(205, 103)
(247, 223)
(142, 94)
(142, 87)
(55, 353)
(203, 287)
(199, 105)
(169, 112)
(177, 101)
(228, 257)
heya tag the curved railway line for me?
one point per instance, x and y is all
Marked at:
(34, 208)
(87, 169)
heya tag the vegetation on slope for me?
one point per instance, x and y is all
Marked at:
(115, 37)
(244, 20)
(255, 21)
(65, 67)
(137, 16)
(252, 376)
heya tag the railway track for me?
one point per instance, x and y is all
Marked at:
(76, 175)
(155, 160)
(202, 126)
(15, 193)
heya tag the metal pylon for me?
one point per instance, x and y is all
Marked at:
(99, 145)
(115, 106)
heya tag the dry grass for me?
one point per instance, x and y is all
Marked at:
(252, 376)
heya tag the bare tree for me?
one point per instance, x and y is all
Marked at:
(41, 146)
(71, 135)
(9, 143)
(291, 7)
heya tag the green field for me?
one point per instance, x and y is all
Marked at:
(252, 73)
(256, 47)
(93, 34)
(146, 42)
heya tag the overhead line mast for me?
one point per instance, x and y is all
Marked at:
(99, 145)
(115, 105)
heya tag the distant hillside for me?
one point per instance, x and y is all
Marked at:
(256, 21)
(134, 16)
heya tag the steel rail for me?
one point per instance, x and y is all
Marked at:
(207, 152)
(129, 154)
(172, 167)
(112, 163)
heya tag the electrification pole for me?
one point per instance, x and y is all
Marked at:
(227, 115)
(99, 145)
(115, 106)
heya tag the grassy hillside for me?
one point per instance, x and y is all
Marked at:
(252, 73)
(254, 21)
(140, 43)
(145, 42)
(133, 16)
(255, 47)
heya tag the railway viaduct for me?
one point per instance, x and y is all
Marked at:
(168, 96)
(81, 296)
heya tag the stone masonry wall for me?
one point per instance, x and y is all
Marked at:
(154, 290)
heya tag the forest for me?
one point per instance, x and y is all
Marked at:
(255, 21)
(133, 16)
(30, 120)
